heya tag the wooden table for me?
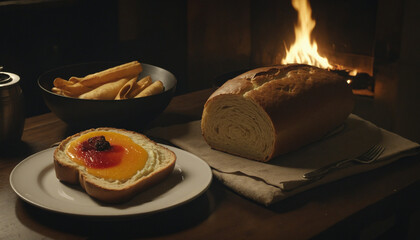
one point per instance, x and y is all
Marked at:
(362, 206)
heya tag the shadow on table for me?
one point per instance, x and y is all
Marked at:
(156, 224)
(16, 150)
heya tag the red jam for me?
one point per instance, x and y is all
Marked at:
(108, 155)
(100, 159)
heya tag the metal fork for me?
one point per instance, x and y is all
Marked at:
(369, 156)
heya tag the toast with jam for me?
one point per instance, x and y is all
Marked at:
(112, 165)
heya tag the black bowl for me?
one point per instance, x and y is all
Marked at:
(128, 113)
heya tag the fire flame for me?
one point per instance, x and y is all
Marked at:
(303, 50)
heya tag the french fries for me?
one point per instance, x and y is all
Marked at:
(119, 82)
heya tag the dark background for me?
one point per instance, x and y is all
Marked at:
(40, 35)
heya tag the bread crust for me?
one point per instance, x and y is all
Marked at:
(302, 102)
(69, 172)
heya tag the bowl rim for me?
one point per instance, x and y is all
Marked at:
(103, 100)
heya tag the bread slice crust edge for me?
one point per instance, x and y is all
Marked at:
(70, 172)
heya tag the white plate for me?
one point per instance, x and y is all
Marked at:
(34, 181)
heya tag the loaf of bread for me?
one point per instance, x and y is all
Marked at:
(270, 111)
(111, 181)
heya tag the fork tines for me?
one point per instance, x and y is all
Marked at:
(373, 153)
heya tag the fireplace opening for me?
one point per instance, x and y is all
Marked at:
(336, 35)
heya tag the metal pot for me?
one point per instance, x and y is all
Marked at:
(12, 116)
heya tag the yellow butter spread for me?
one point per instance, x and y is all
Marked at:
(122, 161)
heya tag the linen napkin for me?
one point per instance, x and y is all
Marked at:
(282, 176)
